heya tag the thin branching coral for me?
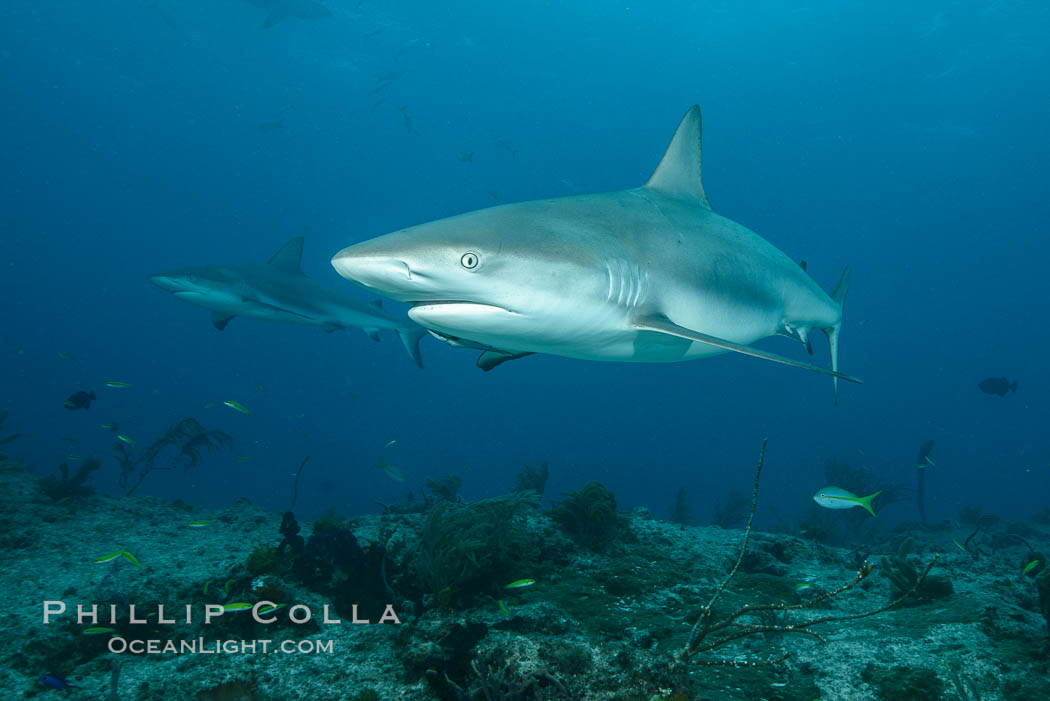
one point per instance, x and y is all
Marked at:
(709, 634)
(182, 445)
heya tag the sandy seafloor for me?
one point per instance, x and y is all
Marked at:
(595, 625)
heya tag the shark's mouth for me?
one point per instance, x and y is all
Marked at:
(441, 305)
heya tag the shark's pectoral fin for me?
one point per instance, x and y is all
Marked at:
(372, 334)
(490, 359)
(661, 324)
(282, 310)
(219, 321)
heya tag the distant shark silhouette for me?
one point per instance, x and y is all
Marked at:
(280, 10)
(650, 274)
(279, 291)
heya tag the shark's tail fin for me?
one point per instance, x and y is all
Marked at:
(410, 339)
(832, 332)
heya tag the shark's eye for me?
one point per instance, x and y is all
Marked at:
(469, 260)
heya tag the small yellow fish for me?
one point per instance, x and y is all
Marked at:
(111, 427)
(246, 458)
(124, 439)
(1029, 567)
(503, 607)
(270, 609)
(390, 442)
(116, 384)
(120, 553)
(236, 406)
(520, 584)
(98, 631)
(960, 545)
(201, 524)
(206, 585)
(802, 586)
(238, 606)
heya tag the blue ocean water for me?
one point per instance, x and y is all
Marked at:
(907, 141)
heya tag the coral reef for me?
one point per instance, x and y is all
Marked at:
(68, 486)
(909, 581)
(531, 478)
(903, 683)
(444, 489)
(469, 548)
(608, 625)
(589, 516)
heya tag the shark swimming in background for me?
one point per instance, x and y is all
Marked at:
(650, 274)
(279, 291)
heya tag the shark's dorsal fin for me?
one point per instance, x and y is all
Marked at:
(289, 257)
(678, 174)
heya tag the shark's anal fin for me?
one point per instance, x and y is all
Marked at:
(490, 359)
(661, 324)
(219, 321)
(289, 258)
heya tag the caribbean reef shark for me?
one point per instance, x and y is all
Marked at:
(650, 274)
(279, 291)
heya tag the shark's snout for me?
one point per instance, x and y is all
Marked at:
(387, 274)
(166, 282)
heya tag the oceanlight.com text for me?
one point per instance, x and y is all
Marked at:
(200, 646)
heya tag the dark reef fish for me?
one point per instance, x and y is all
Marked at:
(997, 385)
(52, 681)
(79, 400)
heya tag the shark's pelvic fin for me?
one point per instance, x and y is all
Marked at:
(678, 174)
(490, 359)
(410, 339)
(661, 324)
(219, 321)
(289, 257)
(372, 334)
